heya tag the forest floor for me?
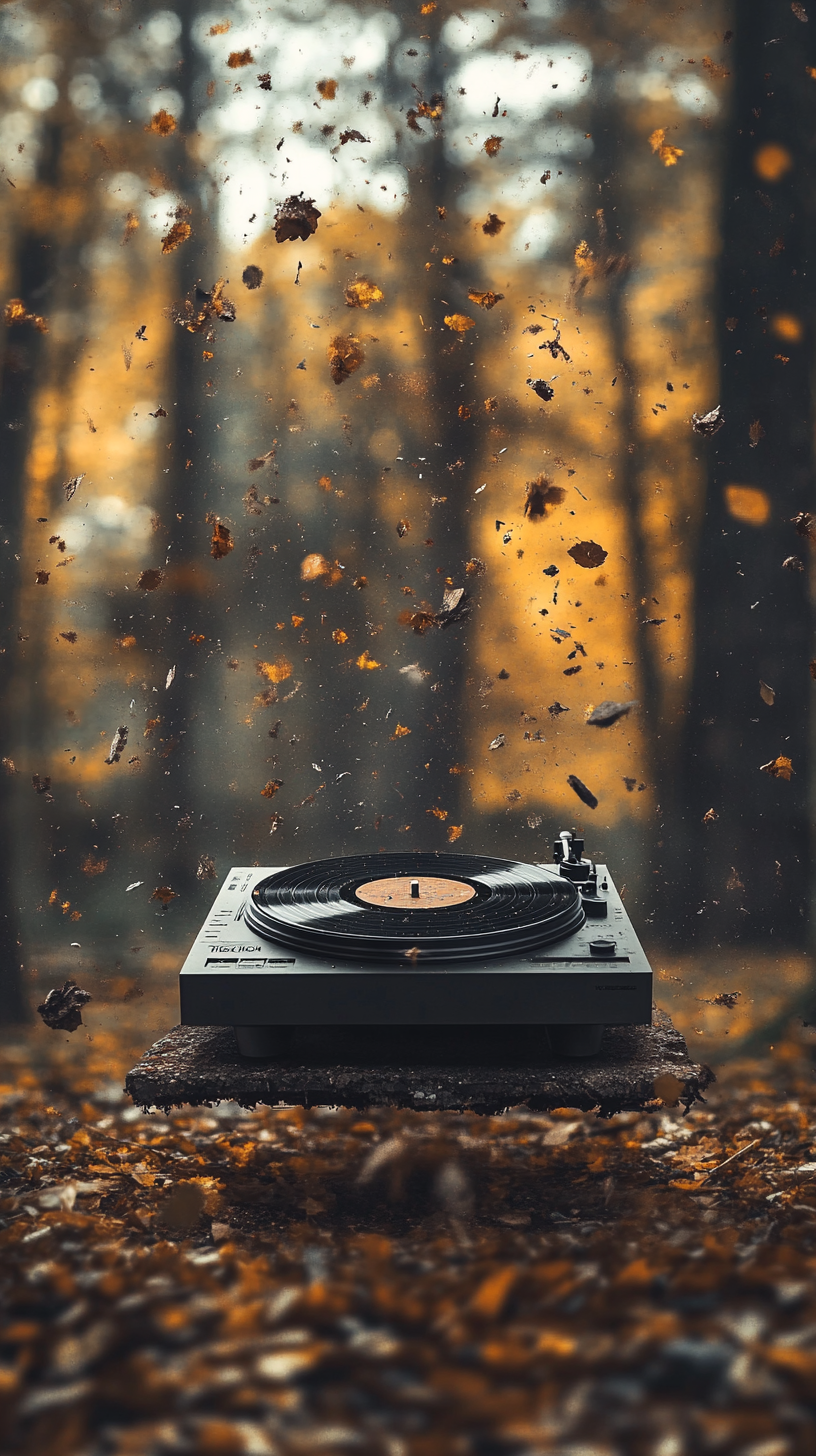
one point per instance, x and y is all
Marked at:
(225, 1281)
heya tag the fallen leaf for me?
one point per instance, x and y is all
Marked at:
(42, 578)
(352, 136)
(179, 233)
(767, 694)
(459, 322)
(454, 832)
(270, 789)
(400, 731)
(542, 388)
(778, 768)
(584, 794)
(221, 28)
(710, 423)
(296, 219)
(805, 524)
(252, 276)
(493, 145)
(274, 672)
(236, 59)
(163, 123)
(493, 226)
(150, 579)
(587, 554)
(62, 1007)
(608, 712)
(362, 293)
(345, 356)
(221, 542)
(164, 894)
(485, 300)
(668, 155)
(365, 660)
(327, 89)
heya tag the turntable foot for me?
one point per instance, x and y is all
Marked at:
(575, 1041)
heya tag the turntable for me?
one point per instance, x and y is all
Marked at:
(450, 949)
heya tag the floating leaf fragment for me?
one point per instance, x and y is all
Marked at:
(588, 554)
(584, 794)
(237, 59)
(493, 145)
(274, 672)
(162, 122)
(541, 497)
(150, 579)
(608, 712)
(542, 388)
(345, 357)
(767, 694)
(118, 744)
(164, 894)
(710, 423)
(221, 542)
(62, 1007)
(493, 225)
(362, 293)
(296, 219)
(778, 768)
(252, 276)
(668, 155)
(498, 742)
(489, 299)
(459, 322)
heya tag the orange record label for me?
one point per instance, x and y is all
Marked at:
(429, 892)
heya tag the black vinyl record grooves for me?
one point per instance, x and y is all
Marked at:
(495, 907)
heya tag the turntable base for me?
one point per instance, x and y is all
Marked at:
(198, 1065)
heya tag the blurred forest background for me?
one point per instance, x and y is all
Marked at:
(229, 525)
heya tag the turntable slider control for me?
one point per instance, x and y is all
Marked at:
(415, 889)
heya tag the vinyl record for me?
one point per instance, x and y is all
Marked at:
(405, 908)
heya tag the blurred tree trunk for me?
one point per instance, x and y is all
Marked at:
(754, 618)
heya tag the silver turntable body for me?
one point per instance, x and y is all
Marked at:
(595, 976)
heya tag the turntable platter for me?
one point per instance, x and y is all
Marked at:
(398, 908)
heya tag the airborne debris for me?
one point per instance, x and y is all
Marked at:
(296, 218)
(164, 894)
(708, 424)
(542, 388)
(557, 708)
(608, 712)
(72, 486)
(345, 356)
(724, 998)
(198, 314)
(485, 300)
(793, 563)
(62, 1007)
(778, 768)
(587, 554)
(150, 579)
(493, 226)
(805, 524)
(498, 742)
(236, 59)
(162, 122)
(221, 542)
(767, 694)
(541, 498)
(118, 745)
(668, 155)
(584, 794)
(459, 322)
(362, 293)
(710, 816)
(252, 276)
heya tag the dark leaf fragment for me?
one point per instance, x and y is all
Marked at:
(198, 314)
(252, 276)
(72, 486)
(608, 712)
(542, 388)
(62, 1007)
(150, 579)
(541, 498)
(584, 794)
(118, 745)
(793, 563)
(556, 708)
(205, 869)
(493, 226)
(352, 136)
(805, 524)
(345, 356)
(296, 219)
(724, 998)
(710, 423)
(587, 554)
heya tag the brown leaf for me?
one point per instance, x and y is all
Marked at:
(459, 322)
(362, 293)
(42, 578)
(221, 542)
(151, 578)
(16, 312)
(778, 768)
(62, 1007)
(588, 554)
(236, 59)
(345, 357)
(493, 226)
(767, 694)
(710, 816)
(485, 300)
(352, 136)
(274, 672)
(584, 794)
(669, 156)
(163, 123)
(179, 233)
(72, 486)
(541, 498)
(724, 998)
(252, 276)
(714, 69)
(164, 894)
(755, 434)
(799, 11)
(220, 28)
(271, 788)
(327, 89)
(198, 314)
(493, 145)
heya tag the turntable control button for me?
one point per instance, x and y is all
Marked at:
(415, 889)
(594, 907)
(602, 947)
